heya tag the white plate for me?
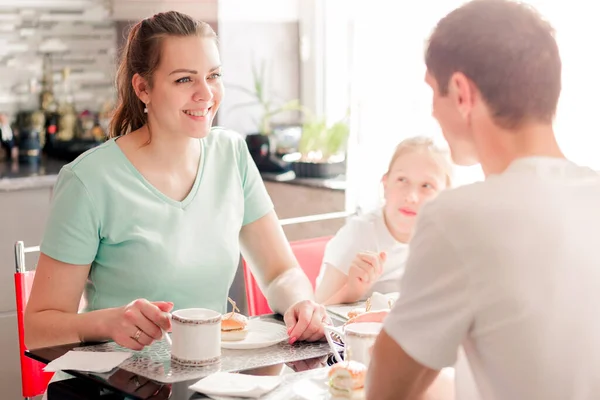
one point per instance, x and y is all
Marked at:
(261, 334)
(316, 387)
(342, 310)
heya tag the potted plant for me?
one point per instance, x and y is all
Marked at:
(321, 151)
(262, 144)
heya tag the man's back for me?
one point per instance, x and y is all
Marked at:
(514, 277)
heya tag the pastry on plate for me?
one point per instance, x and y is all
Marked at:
(377, 302)
(347, 380)
(234, 326)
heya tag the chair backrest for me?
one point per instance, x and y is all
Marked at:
(33, 378)
(309, 254)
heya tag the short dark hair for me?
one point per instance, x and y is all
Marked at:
(508, 51)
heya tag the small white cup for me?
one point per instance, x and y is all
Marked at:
(358, 338)
(196, 336)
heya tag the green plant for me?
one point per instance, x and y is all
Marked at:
(269, 107)
(319, 142)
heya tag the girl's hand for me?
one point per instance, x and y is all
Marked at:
(365, 270)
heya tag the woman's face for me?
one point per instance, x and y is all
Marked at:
(186, 88)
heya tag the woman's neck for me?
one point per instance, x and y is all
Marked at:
(171, 152)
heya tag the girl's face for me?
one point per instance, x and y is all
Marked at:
(415, 177)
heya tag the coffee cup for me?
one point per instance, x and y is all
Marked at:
(195, 336)
(358, 338)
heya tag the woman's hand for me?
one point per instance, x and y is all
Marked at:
(365, 270)
(305, 320)
(139, 323)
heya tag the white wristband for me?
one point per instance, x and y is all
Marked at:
(287, 289)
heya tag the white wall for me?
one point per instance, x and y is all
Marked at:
(260, 10)
(250, 35)
(133, 10)
(576, 122)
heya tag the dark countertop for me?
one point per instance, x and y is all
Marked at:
(14, 176)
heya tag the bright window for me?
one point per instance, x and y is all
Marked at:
(392, 102)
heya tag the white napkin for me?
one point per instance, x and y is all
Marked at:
(89, 361)
(236, 385)
(380, 301)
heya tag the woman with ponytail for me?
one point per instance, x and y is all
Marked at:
(155, 218)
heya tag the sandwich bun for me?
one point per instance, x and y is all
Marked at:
(234, 327)
(347, 380)
(356, 312)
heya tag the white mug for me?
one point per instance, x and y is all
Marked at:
(358, 338)
(196, 336)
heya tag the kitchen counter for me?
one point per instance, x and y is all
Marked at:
(336, 183)
(14, 176)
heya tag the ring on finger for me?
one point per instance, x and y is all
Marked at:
(137, 335)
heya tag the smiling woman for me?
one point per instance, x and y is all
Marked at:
(154, 219)
(161, 77)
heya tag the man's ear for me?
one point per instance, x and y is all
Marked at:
(462, 94)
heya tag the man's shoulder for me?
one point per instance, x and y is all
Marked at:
(465, 199)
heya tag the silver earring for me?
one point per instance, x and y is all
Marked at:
(145, 110)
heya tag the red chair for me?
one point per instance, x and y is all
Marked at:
(309, 254)
(34, 380)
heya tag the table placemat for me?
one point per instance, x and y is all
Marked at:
(154, 361)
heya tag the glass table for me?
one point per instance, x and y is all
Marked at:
(149, 374)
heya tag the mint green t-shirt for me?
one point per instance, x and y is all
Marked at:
(143, 244)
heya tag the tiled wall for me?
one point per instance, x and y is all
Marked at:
(79, 35)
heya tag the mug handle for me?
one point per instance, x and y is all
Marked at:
(166, 334)
(329, 329)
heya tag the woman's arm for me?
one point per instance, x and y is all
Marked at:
(285, 285)
(269, 255)
(51, 314)
(52, 318)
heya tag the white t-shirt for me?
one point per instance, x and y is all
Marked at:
(367, 232)
(509, 268)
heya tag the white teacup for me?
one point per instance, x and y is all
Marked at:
(358, 338)
(196, 336)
